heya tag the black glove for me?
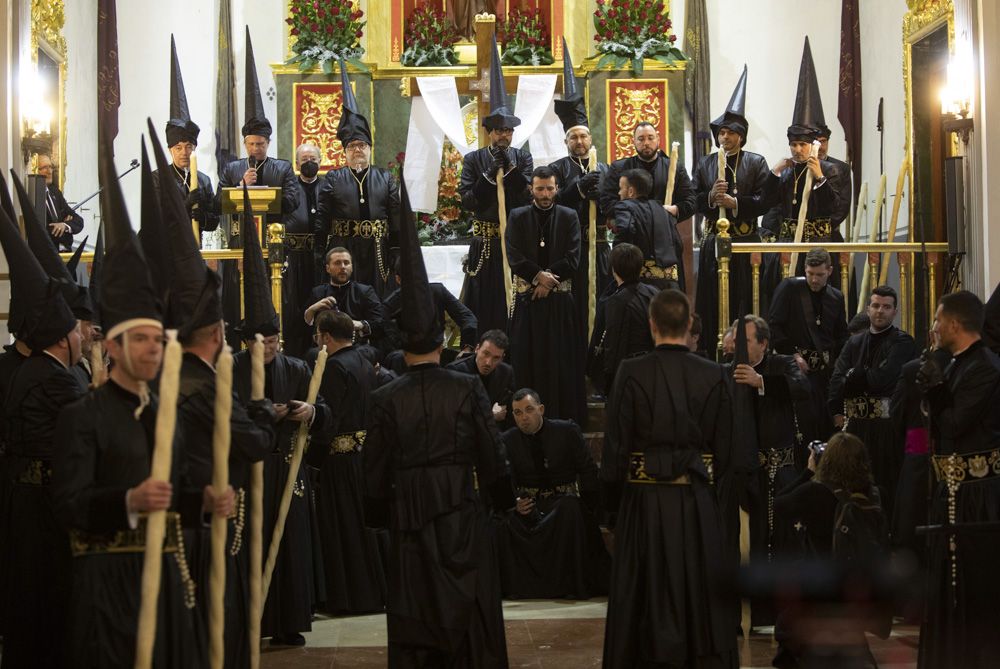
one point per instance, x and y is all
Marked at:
(931, 372)
(495, 166)
(262, 412)
(855, 380)
(589, 183)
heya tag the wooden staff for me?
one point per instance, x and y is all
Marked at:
(156, 521)
(220, 525)
(98, 372)
(256, 511)
(293, 473)
(668, 196)
(803, 208)
(592, 252)
(192, 187)
(502, 212)
(855, 230)
(723, 212)
(900, 181)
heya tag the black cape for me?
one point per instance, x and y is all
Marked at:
(649, 226)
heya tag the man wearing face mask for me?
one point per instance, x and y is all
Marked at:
(358, 205)
(302, 272)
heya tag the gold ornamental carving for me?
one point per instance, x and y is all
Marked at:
(47, 21)
(316, 117)
(633, 102)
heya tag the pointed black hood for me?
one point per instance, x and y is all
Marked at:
(254, 122)
(153, 235)
(353, 126)
(126, 298)
(500, 114)
(15, 310)
(418, 317)
(180, 127)
(807, 119)
(572, 109)
(73, 264)
(734, 117)
(259, 315)
(40, 242)
(96, 270)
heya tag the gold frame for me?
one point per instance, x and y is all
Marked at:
(924, 17)
(48, 19)
(608, 131)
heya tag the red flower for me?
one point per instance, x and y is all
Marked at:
(612, 13)
(357, 15)
(597, 38)
(341, 23)
(295, 31)
(335, 10)
(673, 38)
(321, 14)
(358, 34)
(329, 29)
(314, 27)
(289, 21)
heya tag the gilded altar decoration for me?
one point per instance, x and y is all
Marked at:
(322, 33)
(629, 31)
(316, 115)
(630, 101)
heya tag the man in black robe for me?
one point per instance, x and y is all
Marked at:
(61, 221)
(289, 606)
(962, 390)
(669, 434)
(550, 544)
(839, 174)
(182, 140)
(640, 220)
(862, 384)
(352, 561)
(257, 169)
(358, 205)
(579, 188)
(543, 249)
(430, 444)
(341, 292)
(808, 323)
(741, 196)
(483, 290)
(486, 363)
(626, 312)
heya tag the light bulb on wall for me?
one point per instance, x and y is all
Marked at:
(36, 116)
(956, 96)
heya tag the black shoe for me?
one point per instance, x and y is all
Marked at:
(293, 639)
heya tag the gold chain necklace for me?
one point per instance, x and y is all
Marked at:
(736, 188)
(795, 185)
(361, 183)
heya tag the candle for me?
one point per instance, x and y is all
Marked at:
(256, 511)
(220, 525)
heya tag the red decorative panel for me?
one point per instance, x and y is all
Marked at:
(315, 118)
(630, 101)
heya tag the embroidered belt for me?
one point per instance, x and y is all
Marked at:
(299, 241)
(125, 541)
(865, 407)
(485, 229)
(637, 471)
(34, 472)
(816, 229)
(650, 270)
(968, 467)
(564, 490)
(354, 228)
(736, 228)
(818, 360)
(523, 286)
(348, 442)
(776, 458)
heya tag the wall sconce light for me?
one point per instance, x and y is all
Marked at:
(956, 99)
(36, 117)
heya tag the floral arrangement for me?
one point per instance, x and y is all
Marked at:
(430, 39)
(631, 30)
(450, 222)
(525, 39)
(324, 31)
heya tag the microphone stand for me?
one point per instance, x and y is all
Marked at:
(132, 166)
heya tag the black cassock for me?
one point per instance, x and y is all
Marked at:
(444, 304)
(201, 205)
(273, 172)
(746, 173)
(36, 547)
(557, 551)
(431, 451)
(839, 174)
(626, 327)
(251, 439)
(649, 226)
(499, 384)
(352, 564)
(669, 410)
(360, 302)
(483, 290)
(302, 271)
(814, 325)
(960, 629)
(569, 170)
(864, 397)
(360, 212)
(289, 605)
(104, 451)
(10, 360)
(545, 349)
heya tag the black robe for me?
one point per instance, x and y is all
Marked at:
(444, 304)
(568, 171)
(626, 327)
(251, 439)
(289, 606)
(545, 350)
(56, 211)
(104, 451)
(39, 564)
(499, 384)
(878, 361)
(360, 302)
(352, 562)
(302, 271)
(747, 186)
(557, 551)
(339, 200)
(960, 629)
(431, 443)
(665, 604)
(273, 172)
(483, 290)
(10, 360)
(839, 173)
(206, 212)
(792, 317)
(653, 229)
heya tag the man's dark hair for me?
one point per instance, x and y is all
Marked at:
(966, 309)
(337, 324)
(336, 249)
(496, 337)
(696, 325)
(626, 261)
(818, 257)
(859, 323)
(670, 312)
(886, 291)
(763, 330)
(642, 124)
(640, 180)
(544, 172)
(524, 393)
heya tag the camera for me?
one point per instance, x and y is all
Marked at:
(817, 447)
